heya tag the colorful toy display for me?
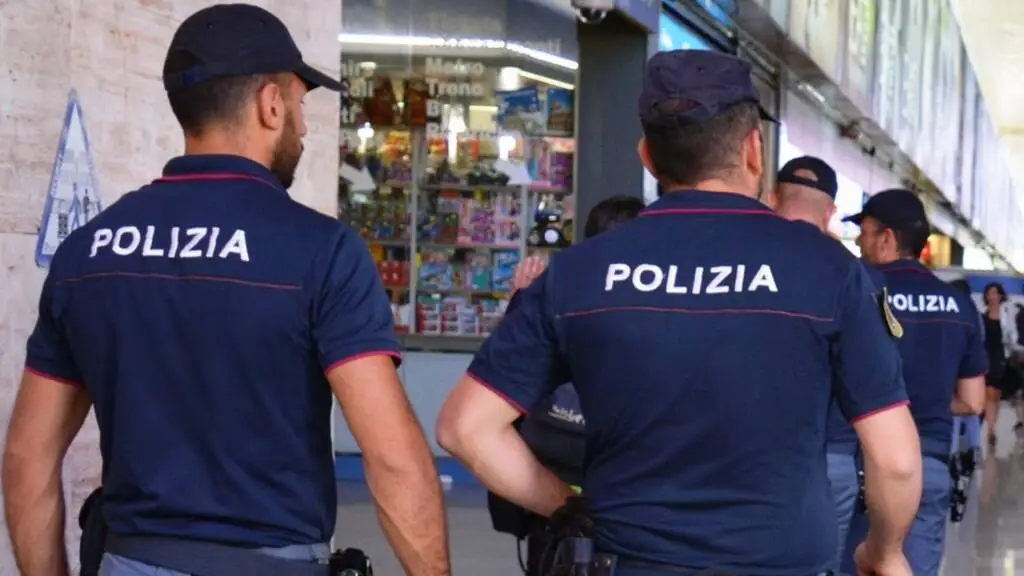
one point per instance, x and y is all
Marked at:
(559, 106)
(448, 267)
(521, 110)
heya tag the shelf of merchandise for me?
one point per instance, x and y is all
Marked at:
(453, 313)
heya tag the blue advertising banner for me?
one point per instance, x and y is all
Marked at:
(674, 35)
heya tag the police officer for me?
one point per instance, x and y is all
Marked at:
(944, 361)
(207, 317)
(806, 191)
(698, 337)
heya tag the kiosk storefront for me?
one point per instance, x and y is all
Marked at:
(459, 131)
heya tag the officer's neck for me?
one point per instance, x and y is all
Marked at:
(885, 261)
(713, 185)
(217, 143)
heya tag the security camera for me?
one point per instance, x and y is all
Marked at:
(590, 16)
(592, 11)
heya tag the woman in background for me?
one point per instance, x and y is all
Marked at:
(1000, 330)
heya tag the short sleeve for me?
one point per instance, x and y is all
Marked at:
(870, 370)
(974, 361)
(514, 302)
(48, 352)
(521, 361)
(352, 317)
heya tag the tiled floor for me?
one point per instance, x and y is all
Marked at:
(989, 541)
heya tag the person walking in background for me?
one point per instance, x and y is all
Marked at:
(1001, 343)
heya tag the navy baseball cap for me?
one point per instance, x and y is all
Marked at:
(898, 208)
(704, 83)
(236, 40)
(811, 172)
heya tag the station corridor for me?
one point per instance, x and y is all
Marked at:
(989, 541)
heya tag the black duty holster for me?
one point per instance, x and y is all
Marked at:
(198, 558)
(94, 533)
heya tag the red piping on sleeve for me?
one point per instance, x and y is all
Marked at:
(42, 374)
(497, 392)
(343, 361)
(880, 410)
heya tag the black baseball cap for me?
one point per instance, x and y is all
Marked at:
(897, 208)
(236, 40)
(820, 175)
(706, 83)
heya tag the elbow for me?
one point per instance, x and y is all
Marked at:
(450, 431)
(975, 404)
(904, 466)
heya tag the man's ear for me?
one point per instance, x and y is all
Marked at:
(270, 108)
(752, 144)
(645, 156)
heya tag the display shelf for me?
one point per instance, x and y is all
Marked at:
(448, 216)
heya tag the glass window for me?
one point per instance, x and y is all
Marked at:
(457, 160)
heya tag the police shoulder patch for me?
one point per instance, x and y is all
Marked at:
(891, 323)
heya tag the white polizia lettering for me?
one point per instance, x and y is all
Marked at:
(699, 280)
(175, 242)
(924, 303)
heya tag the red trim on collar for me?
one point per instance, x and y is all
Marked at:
(213, 176)
(671, 211)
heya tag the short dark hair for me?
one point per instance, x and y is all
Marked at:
(611, 212)
(999, 289)
(911, 240)
(216, 100)
(687, 153)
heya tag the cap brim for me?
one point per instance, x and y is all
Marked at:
(317, 79)
(765, 115)
(855, 219)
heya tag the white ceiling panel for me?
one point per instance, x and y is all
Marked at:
(993, 34)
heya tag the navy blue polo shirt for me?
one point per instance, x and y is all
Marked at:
(699, 338)
(201, 313)
(842, 438)
(941, 344)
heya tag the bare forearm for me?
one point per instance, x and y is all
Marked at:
(507, 467)
(410, 506)
(893, 494)
(34, 510)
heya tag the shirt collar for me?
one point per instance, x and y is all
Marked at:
(904, 265)
(219, 167)
(699, 201)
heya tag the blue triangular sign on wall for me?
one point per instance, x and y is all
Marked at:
(73, 198)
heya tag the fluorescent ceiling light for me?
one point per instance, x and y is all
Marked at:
(483, 108)
(438, 42)
(546, 80)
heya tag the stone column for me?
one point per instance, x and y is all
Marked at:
(111, 53)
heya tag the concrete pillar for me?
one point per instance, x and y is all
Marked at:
(112, 54)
